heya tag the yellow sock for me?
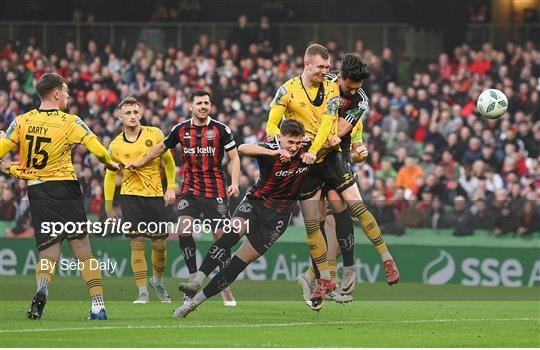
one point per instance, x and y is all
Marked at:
(332, 266)
(369, 226)
(91, 274)
(44, 272)
(317, 247)
(138, 263)
(159, 258)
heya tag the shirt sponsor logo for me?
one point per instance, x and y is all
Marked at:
(283, 173)
(208, 150)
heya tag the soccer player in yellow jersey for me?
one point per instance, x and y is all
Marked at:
(143, 201)
(353, 103)
(313, 101)
(45, 137)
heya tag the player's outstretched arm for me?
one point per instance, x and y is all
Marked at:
(109, 184)
(100, 152)
(274, 119)
(232, 190)
(170, 174)
(156, 151)
(252, 150)
(5, 147)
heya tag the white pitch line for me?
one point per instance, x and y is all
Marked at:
(264, 325)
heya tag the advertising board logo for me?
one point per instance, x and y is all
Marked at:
(440, 270)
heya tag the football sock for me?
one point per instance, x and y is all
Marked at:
(218, 254)
(92, 276)
(188, 248)
(224, 277)
(371, 228)
(345, 236)
(44, 272)
(317, 247)
(159, 259)
(138, 265)
(332, 267)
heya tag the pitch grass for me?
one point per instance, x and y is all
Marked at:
(483, 319)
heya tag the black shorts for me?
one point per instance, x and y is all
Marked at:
(56, 202)
(266, 225)
(140, 212)
(215, 210)
(332, 172)
(346, 162)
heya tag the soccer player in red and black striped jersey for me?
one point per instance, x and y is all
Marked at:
(264, 213)
(204, 142)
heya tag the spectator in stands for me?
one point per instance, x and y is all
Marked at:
(460, 218)
(393, 124)
(407, 175)
(437, 109)
(8, 206)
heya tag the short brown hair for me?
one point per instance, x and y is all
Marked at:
(198, 93)
(47, 83)
(291, 127)
(128, 101)
(316, 49)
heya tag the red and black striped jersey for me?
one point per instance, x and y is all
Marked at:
(279, 182)
(351, 109)
(203, 148)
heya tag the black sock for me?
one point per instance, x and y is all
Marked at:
(224, 277)
(188, 248)
(219, 253)
(345, 236)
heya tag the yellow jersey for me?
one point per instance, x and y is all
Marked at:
(294, 101)
(145, 181)
(45, 139)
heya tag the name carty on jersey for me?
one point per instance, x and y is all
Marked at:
(37, 129)
(200, 150)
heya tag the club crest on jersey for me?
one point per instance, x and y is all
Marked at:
(245, 208)
(221, 209)
(183, 204)
(210, 135)
(341, 102)
(148, 143)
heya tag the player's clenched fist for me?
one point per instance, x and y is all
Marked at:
(309, 158)
(360, 154)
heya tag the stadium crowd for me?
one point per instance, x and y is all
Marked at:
(434, 162)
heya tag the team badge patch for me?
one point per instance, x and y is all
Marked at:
(148, 143)
(245, 208)
(183, 204)
(222, 209)
(210, 135)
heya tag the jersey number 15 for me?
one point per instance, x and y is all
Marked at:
(37, 150)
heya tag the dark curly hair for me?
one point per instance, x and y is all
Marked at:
(353, 68)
